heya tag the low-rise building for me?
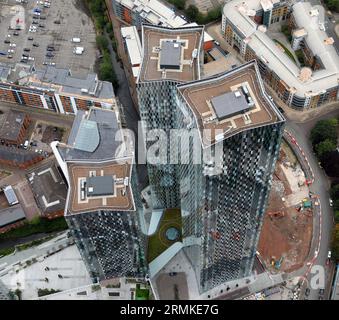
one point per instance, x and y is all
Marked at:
(11, 217)
(58, 90)
(133, 48)
(13, 127)
(49, 189)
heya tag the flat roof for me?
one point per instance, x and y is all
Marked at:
(170, 55)
(199, 96)
(93, 174)
(133, 44)
(49, 188)
(153, 37)
(100, 186)
(11, 123)
(154, 12)
(10, 195)
(115, 171)
(62, 81)
(11, 215)
(229, 104)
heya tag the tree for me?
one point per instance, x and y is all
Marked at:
(192, 12)
(179, 4)
(102, 42)
(333, 5)
(324, 129)
(330, 162)
(214, 14)
(324, 147)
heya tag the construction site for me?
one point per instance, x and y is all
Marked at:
(287, 230)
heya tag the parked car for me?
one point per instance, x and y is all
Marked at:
(331, 202)
(15, 33)
(27, 49)
(30, 38)
(35, 44)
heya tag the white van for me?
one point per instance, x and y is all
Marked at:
(78, 50)
(26, 144)
(76, 40)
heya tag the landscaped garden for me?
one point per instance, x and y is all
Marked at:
(169, 232)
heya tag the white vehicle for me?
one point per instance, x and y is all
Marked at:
(31, 58)
(32, 30)
(13, 45)
(76, 40)
(26, 144)
(217, 43)
(10, 51)
(331, 202)
(38, 14)
(78, 50)
(329, 255)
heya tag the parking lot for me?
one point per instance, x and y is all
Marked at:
(28, 29)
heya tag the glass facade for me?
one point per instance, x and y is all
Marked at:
(223, 208)
(157, 103)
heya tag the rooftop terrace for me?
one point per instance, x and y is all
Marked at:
(229, 103)
(100, 186)
(160, 43)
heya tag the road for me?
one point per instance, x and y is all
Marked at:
(300, 129)
(130, 113)
(320, 187)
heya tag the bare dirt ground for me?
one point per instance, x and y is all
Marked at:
(287, 235)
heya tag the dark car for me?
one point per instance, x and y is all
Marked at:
(23, 61)
(50, 49)
(30, 38)
(35, 22)
(15, 33)
(307, 292)
(41, 25)
(35, 17)
(42, 18)
(57, 22)
(27, 49)
(281, 110)
(7, 41)
(35, 44)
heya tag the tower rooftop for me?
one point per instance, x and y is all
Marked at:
(229, 103)
(172, 54)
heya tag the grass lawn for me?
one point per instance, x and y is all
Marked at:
(288, 52)
(141, 294)
(6, 251)
(36, 226)
(158, 243)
